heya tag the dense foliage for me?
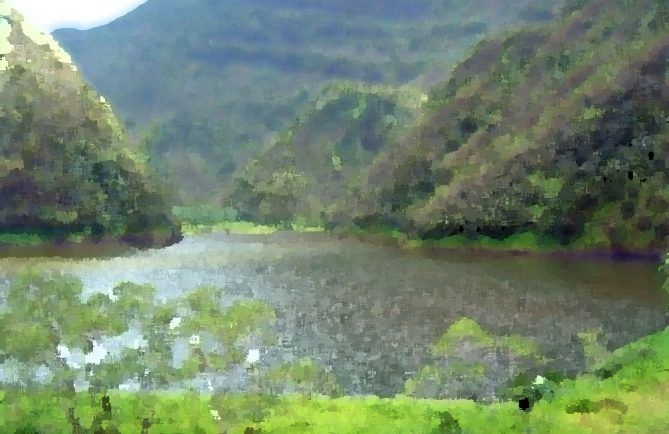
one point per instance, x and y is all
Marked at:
(470, 363)
(207, 82)
(627, 396)
(544, 135)
(320, 157)
(53, 335)
(64, 168)
(559, 130)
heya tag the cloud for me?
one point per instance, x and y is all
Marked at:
(49, 15)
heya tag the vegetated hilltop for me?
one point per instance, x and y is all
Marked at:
(64, 169)
(208, 82)
(317, 160)
(562, 131)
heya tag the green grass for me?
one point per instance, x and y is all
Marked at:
(528, 242)
(244, 228)
(20, 239)
(238, 228)
(524, 242)
(627, 393)
(307, 229)
(205, 219)
(624, 394)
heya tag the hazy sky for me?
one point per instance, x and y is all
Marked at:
(82, 14)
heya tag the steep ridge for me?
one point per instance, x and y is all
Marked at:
(64, 166)
(207, 83)
(560, 130)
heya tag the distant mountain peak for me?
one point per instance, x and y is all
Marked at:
(206, 84)
(10, 16)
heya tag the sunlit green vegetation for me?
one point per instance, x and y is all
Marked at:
(65, 169)
(544, 139)
(20, 239)
(204, 219)
(539, 131)
(617, 397)
(527, 242)
(467, 358)
(45, 312)
(237, 228)
(45, 319)
(322, 154)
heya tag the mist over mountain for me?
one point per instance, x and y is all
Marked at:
(520, 136)
(207, 83)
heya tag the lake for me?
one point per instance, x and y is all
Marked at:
(370, 313)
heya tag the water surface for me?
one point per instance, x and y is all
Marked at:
(370, 313)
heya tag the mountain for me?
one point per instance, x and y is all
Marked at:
(318, 159)
(64, 166)
(561, 131)
(207, 83)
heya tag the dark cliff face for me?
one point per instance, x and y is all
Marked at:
(64, 166)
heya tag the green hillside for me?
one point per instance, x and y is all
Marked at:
(316, 161)
(207, 83)
(64, 168)
(558, 130)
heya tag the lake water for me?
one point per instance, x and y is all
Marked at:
(370, 313)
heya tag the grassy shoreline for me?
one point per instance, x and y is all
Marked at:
(207, 219)
(525, 243)
(27, 244)
(202, 220)
(245, 228)
(625, 394)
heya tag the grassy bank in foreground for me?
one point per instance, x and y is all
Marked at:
(626, 393)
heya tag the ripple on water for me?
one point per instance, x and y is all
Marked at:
(371, 313)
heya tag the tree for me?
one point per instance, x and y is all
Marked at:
(665, 268)
(471, 363)
(66, 168)
(304, 376)
(45, 318)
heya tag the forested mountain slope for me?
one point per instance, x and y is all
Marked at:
(210, 81)
(318, 160)
(64, 168)
(560, 130)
